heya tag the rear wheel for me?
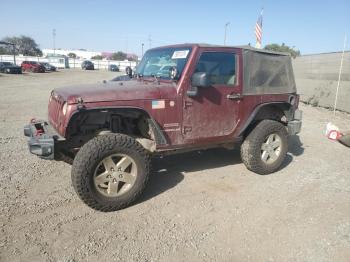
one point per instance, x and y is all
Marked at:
(265, 148)
(110, 172)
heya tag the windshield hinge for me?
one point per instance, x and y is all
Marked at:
(80, 104)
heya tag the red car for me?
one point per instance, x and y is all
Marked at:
(32, 66)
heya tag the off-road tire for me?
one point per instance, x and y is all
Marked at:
(87, 160)
(251, 147)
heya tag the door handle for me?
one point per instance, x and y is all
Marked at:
(234, 96)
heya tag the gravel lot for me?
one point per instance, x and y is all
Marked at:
(201, 206)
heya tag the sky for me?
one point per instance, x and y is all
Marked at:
(311, 26)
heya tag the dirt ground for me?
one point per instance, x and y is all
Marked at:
(201, 206)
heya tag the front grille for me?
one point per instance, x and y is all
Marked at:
(55, 107)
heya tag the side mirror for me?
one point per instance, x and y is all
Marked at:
(200, 79)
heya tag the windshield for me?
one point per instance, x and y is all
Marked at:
(160, 62)
(6, 63)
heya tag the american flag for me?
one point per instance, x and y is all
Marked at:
(258, 30)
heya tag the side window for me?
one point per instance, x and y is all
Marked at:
(219, 66)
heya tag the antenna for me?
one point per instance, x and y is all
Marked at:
(339, 76)
(226, 25)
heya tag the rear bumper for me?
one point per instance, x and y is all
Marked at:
(294, 126)
(42, 139)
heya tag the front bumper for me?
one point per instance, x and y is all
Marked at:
(294, 126)
(42, 139)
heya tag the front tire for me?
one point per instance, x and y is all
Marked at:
(265, 148)
(110, 172)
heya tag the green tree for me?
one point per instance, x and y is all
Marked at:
(72, 55)
(97, 57)
(119, 56)
(24, 45)
(283, 48)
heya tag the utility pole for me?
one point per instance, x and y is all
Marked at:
(142, 49)
(14, 53)
(54, 40)
(226, 25)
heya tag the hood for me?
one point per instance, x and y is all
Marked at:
(112, 91)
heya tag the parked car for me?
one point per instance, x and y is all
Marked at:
(32, 66)
(48, 67)
(213, 96)
(87, 65)
(114, 68)
(10, 68)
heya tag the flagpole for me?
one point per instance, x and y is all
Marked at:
(258, 30)
(339, 76)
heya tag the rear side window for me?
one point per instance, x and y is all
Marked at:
(267, 73)
(219, 66)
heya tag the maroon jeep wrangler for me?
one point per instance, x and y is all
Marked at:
(182, 97)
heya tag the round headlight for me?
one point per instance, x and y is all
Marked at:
(64, 108)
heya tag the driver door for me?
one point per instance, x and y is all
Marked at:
(212, 114)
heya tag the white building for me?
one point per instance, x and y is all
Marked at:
(80, 53)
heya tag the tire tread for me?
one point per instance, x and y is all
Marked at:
(250, 149)
(92, 152)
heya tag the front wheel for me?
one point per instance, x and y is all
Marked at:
(110, 172)
(265, 148)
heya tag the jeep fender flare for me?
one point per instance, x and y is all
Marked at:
(160, 139)
(288, 112)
